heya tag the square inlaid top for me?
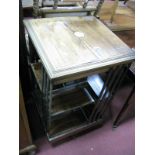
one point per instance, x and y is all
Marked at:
(75, 45)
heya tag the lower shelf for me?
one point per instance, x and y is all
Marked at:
(69, 125)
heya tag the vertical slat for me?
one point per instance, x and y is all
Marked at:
(126, 67)
(47, 88)
(55, 4)
(85, 3)
(42, 71)
(98, 7)
(115, 88)
(108, 87)
(49, 104)
(44, 100)
(103, 89)
(47, 98)
(114, 10)
(42, 87)
(109, 79)
(35, 8)
(45, 85)
(111, 90)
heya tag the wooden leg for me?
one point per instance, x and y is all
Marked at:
(114, 10)
(125, 1)
(124, 108)
(29, 149)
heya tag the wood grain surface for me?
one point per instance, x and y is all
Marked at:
(69, 45)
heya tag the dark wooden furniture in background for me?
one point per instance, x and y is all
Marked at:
(25, 140)
(23, 64)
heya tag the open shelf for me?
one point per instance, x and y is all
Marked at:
(68, 125)
(71, 100)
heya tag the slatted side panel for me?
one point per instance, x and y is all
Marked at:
(113, 80)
